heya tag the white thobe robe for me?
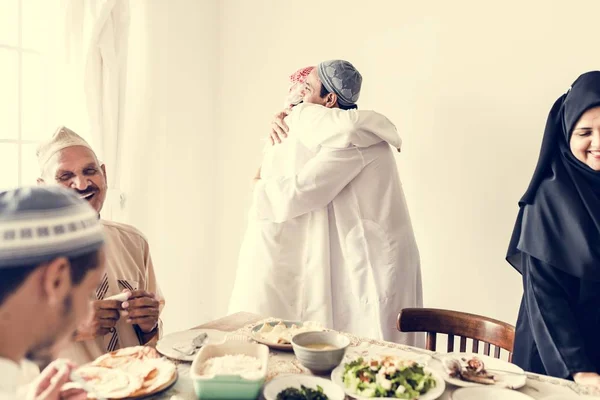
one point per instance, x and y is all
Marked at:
(279, 274)
(9, 373)
(16, 378)
(374, 267)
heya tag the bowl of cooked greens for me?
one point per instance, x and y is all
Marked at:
(302, 387)
(388, 377)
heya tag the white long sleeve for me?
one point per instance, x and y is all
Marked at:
(317, 183)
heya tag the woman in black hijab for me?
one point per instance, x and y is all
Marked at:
(556, 243)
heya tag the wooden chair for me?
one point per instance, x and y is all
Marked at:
(454, 323)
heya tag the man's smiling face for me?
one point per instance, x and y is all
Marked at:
(77, 167)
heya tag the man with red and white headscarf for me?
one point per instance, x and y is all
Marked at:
(273, 254)
(305, 257)
(296, 89)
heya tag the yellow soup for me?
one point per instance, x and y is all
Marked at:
(320, 346)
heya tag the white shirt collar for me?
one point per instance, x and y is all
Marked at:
(10, 372)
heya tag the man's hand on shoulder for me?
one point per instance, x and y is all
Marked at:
(279, 128)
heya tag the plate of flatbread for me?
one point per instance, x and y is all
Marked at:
(278, 334)
(130, 373)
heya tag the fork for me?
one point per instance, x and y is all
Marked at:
(197, 342)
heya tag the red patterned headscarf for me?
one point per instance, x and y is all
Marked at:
(295, 92)
(300, 75)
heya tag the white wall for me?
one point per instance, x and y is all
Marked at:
(468, 84)
(169, 151)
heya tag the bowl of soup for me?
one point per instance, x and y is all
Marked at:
(320, 352)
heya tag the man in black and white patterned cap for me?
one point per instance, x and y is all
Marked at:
(51, 261)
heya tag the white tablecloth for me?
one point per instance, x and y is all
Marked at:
(538, 387)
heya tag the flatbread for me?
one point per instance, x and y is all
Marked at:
(124, 356)
(125, 373)
(141, 368)
(109, 383)
(163, 373)
(282, 334)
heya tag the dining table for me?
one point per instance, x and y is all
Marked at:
(281, 363)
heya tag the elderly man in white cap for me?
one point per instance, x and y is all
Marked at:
(51, 261)
(128, 300)
(373, 256)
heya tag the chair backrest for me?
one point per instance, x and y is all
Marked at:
(453, 323)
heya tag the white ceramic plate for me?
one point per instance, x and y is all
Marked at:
(275, 346)
(434, 393)
(488, 393)
(165, 345)
(515, 380)
(273, 388)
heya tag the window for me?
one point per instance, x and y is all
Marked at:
(23, 89)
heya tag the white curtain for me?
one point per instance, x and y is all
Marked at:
(90, 61)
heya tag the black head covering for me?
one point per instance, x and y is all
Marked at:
(559, 215)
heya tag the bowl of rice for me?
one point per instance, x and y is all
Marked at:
(230, 370)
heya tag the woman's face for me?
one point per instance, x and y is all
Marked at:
(585, 140)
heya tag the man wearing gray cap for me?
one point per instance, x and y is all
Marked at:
(68, 160)
(340, 84)
(374, 260)
(332, 84)
(51, 260)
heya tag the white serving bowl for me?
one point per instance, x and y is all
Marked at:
(320, 361)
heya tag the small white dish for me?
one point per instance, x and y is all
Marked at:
(488, 393)
(244, 386)
(165, 345)
(277, 385)
(515, 378)
(320, 361)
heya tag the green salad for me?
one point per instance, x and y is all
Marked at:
(387, 377)
(304, 393)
